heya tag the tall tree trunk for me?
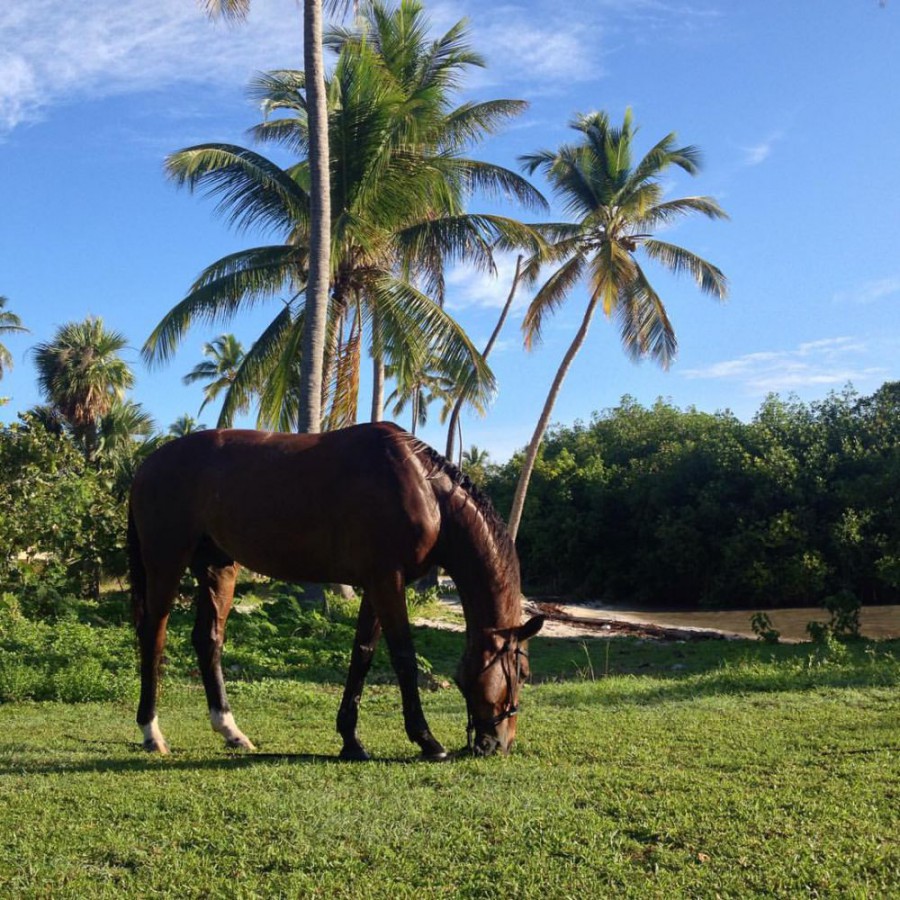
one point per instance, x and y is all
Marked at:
(457, 407)
(310, 413)
(377, 370)
(518, 504)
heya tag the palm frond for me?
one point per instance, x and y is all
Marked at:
(251, 190)
(708, 277)
(550, 296)
(665, 213)
(409, 321)
(643, 322)
(237, 281)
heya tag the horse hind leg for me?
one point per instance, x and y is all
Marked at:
(216, 576)
(152, 613)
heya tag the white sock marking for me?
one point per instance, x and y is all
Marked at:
(153, 736)
(224, 724)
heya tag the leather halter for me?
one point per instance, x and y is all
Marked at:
(510, 709)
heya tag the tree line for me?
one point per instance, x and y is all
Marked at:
(681, 508)
(395, 199)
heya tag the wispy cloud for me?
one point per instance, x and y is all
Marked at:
(467, 287)
(757, 154)
(870, 291)
(55, 52)
(829, 362)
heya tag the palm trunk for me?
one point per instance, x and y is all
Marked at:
(518, 504)
(332, 355)
(310, 412)
(377, 371)
(457, 407)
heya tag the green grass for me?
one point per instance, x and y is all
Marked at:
(701, 769)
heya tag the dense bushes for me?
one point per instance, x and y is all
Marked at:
(683, 508)
(62, 519)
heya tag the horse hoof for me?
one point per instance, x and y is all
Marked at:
(355, 754)
(155, 746)
(240, 743)
(434, 754)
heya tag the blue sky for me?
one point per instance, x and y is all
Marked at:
(794, 105)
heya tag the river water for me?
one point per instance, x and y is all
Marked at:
(881, 622)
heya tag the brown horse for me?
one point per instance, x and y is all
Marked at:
(369, 505)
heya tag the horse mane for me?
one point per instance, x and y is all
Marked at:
(437, 465)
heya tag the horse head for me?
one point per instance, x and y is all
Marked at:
(490, 674)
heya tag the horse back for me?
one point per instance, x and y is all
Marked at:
(339, 506)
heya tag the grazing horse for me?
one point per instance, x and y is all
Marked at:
(369, 505)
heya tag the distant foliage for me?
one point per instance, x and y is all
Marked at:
(62, 520)
(667, 506)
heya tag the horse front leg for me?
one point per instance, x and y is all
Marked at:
(215, 597)
(390, 604)
(368, 631)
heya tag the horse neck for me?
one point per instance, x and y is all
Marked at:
(487, 580)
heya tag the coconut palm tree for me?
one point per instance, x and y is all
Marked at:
(224, 357)
(419, 382)
(10, 323)
(474, 462)
(185, 424)
(617, 206)
(398, 213)
(318, 265)
(461, 393)
(81, 374)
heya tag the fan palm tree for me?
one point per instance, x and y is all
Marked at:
(617, 205)
(122, 423)
(398, 209)
(10, 323)
(224, 357)
(318, 266)
(81, 374)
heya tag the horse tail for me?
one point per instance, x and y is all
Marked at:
(136, 570)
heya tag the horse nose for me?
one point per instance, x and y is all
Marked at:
(486, 745)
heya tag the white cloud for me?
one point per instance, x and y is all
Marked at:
(467, 287)
(870, 291)
(759, 153)
(105, 47)
(814, 363)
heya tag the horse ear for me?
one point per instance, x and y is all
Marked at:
(530, 628)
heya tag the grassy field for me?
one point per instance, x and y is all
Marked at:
(642, 770)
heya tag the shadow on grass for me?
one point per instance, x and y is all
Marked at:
(184, 761)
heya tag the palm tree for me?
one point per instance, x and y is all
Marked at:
(398, 209)
(119, 427)
(81, 374)
(10, 323)
(224, 357)
(318, 267)
(474, 462)
(419, 382)
(617, 206)
(185, 424)
(462, 392)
